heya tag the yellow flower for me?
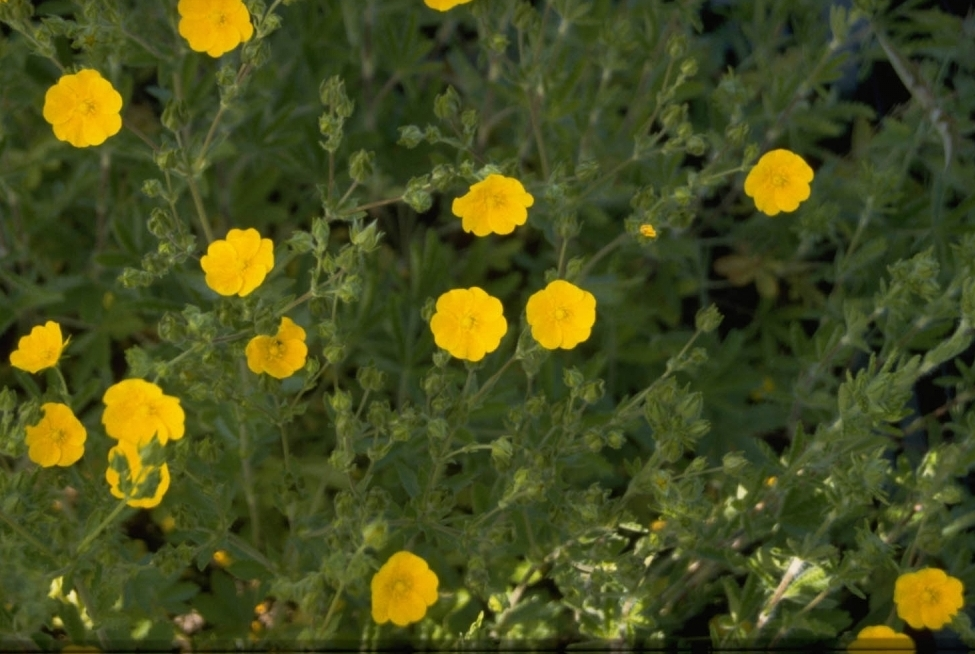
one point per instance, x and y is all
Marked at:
(136, 479)
(648, 231)
(881, 639)
(238, 264)
(136, 411)
(58, 439)
(83, 108)
(928, 598)
(40, 349)
(403, 589)
(495, 205)
(468, 323)
(561, 315)
(214, 26)
(779, 182)
(222, 558)
(281, 355)
(444, 5)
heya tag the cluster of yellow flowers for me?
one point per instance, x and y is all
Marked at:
(137, 413)
(468, 322)
(237, 265)
(84, 108)
(926, 599)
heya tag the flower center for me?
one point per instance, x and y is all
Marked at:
(221, 19)
(779, 179)
(561, 314)
(88, 107)
(467, 322)
(931, 596)
(58, 436)
(400, 588)
(276, 349)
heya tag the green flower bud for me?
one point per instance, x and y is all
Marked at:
(340, 401)
(360, 165)
(707, 320)
(447, 104)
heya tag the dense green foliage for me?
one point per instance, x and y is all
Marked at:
(770, 422)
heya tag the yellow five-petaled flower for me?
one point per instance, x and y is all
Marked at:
(40, 349)
(495, 205)
(281, 355)
(214, 26)
(928, 598)
(403, 589)
(468, 323)
(881, 639)
(239, 263)
(779, 182)
(83, 108)
(444, 5)
(130, 478)
(58, 439)
(561, 315)
(136, 411)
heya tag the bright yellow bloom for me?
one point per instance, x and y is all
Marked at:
(214, 26)
(136, 411)
(881, 639)
(648, 231)
(40, 349)
(468, 323)
(403, 589)
(779, 182)
(928, 598)
(561, 315)
(136, 479)
(238, 264)
(83, 108)
(58, 439)
(281, 355)
(444, 5)
(493, 206)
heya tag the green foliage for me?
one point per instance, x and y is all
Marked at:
(770, 421)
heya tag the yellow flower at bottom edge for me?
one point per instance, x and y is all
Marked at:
(468, 323)
(495, 205)
(561, 315)
(214, 26)
(403, 589)
(881, 639)
(281, 355)
(58, 439)
(83, 108)
(142, 486)
(779, 182)
(40, 349)
(137, 411)
(444, 5)
(928, 598)
(238, 264)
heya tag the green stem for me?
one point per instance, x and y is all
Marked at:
(606, 249)
(90, 538)
(201, 213)
(491, 381)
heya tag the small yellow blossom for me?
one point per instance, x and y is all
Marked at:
(658, 525)
(648, 231)
(238, 264)
(222, 558)
(771, 481)
(214, 26)
(40, 349)
(444, 5)
(561, 315)
(281, 355)
(928, 598)
(881, 639)
(779, 182)
(58, 439)
(468, 323)
(83, 108)
(493, 206)
(136, 479)
(136, 411)
(403, 589)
